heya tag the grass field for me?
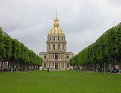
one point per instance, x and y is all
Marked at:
(59, 82)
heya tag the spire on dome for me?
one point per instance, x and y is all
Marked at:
(56, 21)
(56, 13)
(56, 30)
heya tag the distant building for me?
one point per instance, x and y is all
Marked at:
(56, 56)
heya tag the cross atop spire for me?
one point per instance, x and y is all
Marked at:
(56, 13)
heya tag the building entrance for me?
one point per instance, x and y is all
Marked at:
(56, 65)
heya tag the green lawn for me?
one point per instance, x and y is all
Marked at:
(59, 82)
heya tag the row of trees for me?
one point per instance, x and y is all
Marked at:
(104, 54)
(14, 55)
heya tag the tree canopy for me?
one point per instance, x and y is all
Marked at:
(106, 50)
(15, 52)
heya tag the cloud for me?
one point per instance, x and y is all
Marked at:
(83, 21)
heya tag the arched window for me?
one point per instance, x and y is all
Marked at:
(53, 46)
(58, 46)
(44, 57)
(56, 55)
(67, 57)
(53, 38)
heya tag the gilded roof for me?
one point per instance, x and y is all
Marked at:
(56, 30)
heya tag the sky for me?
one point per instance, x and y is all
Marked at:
(82, 21)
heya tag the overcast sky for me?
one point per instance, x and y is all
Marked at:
(83, 21)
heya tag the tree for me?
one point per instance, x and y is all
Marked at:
(104, 52)
(18, 56)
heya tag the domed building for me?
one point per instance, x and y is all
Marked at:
(56, 56)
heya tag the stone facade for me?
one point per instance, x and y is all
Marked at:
(56, 56)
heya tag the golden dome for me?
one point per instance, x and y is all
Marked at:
(56, 30)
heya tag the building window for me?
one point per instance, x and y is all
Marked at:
(56, 55)
(53, 38)
(64, 38)
(49, 46)
(58, 46)
(53, 55)
(53, 46)
(67, 65)
(44, 57)
(58, 38)
(63, 46)
(67, 57)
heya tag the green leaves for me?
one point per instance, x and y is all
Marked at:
(7, 46)
(15, 51)
(106, 48)
(2, 50)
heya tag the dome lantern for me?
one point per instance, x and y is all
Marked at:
(56, 22)
(56, 30)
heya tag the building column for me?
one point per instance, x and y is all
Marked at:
(64, 65)
(59, 56)
(54, 55)
(58, 65)
(54, 65)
